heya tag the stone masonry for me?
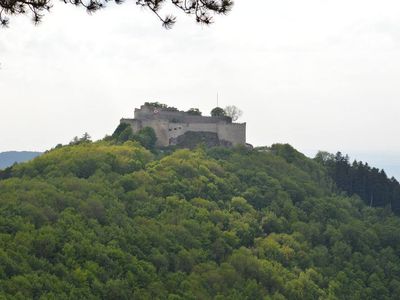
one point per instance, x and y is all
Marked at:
(169, 125)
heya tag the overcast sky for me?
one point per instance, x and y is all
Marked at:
(316, 74)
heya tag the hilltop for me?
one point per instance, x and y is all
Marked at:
(114, 220)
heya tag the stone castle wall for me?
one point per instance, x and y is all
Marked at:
(146, 113)
(234, 133)
(169, 125)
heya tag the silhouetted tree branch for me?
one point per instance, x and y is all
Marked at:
(202, 10)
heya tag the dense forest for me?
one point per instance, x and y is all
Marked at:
(115, 220)
(371, 184)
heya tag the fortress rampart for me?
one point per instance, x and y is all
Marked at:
(170, 125)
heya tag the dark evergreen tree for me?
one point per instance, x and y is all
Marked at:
(371, 184)
(202, 10)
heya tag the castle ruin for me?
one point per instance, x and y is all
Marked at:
(174, 127)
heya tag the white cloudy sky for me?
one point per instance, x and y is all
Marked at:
(316, 74)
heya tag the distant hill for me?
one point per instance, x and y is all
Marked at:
(10, 157)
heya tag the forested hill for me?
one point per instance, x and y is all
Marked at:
(10, 157)
(113, 220)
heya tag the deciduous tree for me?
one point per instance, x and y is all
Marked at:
(233, 112)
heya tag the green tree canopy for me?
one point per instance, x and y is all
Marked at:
(194, 112)
(218, 112)
(112, 220)
(145, 136)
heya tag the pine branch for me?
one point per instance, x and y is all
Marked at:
(202, 10)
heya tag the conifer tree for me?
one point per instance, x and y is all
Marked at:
(202, 10)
